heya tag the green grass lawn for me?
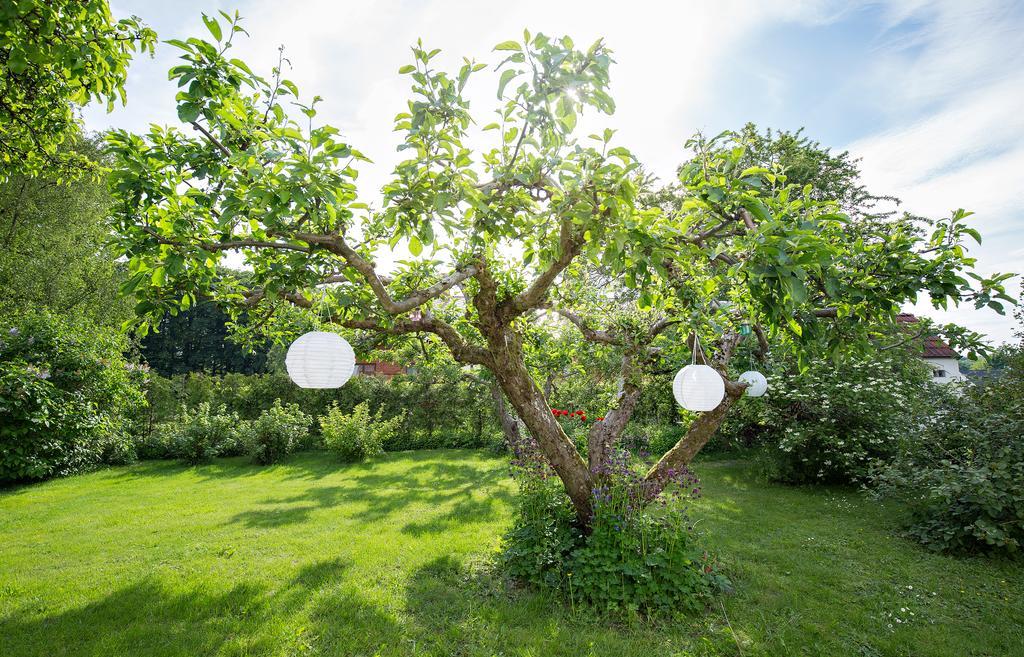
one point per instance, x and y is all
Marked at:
(314, 558)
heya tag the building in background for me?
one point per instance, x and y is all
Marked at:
(943, 360)
(380, 368)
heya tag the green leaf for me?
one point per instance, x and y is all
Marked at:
(188, 112)
(508, 45)
(415, 246)
(408, 68)
(213, 26)
(758, 209)
(506, 77)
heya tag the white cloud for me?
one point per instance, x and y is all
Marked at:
(955, 84)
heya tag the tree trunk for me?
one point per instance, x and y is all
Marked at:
(702, 429)
(532, 407)
(604, 434)
(509, 425)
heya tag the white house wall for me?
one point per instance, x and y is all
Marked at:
(949, 366)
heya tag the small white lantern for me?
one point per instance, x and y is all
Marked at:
(320, 360)
(757, 385)
(698, 388)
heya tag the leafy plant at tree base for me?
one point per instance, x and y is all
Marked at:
(56, 56)
(276, 433)
(357, 435)
(636, 558)
(641, 272)
(68, 398)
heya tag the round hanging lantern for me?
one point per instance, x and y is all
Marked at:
(320, 360)
(698, 388)
(757, 385)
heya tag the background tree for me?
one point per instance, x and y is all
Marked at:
(55, 250)
(56, 56)
(198, 340)
(501, 237)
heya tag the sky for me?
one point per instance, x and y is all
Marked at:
(929, 94)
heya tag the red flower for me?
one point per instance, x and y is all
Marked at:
(600, 419)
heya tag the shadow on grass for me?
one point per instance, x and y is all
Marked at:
(150, 618)
(446, 488)
(308, 465)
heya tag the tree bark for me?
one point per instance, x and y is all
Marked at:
(604, 434)
(509, 425)
(700, 432)
(508, 363)
(532, 408)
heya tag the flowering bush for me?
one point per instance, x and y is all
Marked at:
(68, 398)
(832, 423)
(638, 557)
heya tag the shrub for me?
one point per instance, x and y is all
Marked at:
(834, 422)
(357, 435)
(276, 433)
(958, 480)
(440, 410)
(68, 397)
(156, 443)
(638, 557)
(198, 436)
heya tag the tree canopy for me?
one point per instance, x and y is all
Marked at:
(55, 250)
(544, 225)
(55, 57)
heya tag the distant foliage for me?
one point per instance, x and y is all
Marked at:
(276, 433)
(960, 479)
(438, 409)
(56, 56)
(56, 252)
(637, 558)
(360, 434)
(68, 397)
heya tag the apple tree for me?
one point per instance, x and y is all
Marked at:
(540, 225)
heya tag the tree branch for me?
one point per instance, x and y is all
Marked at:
(461, 350)
(537, 291)
(594, 335)
(336, 244)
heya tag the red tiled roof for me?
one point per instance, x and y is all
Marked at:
(934, 346)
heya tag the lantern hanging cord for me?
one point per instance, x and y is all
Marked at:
(697, 347)
(323, 304)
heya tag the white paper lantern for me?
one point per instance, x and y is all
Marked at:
(320, 360)
(757, 385)
(698, 388)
